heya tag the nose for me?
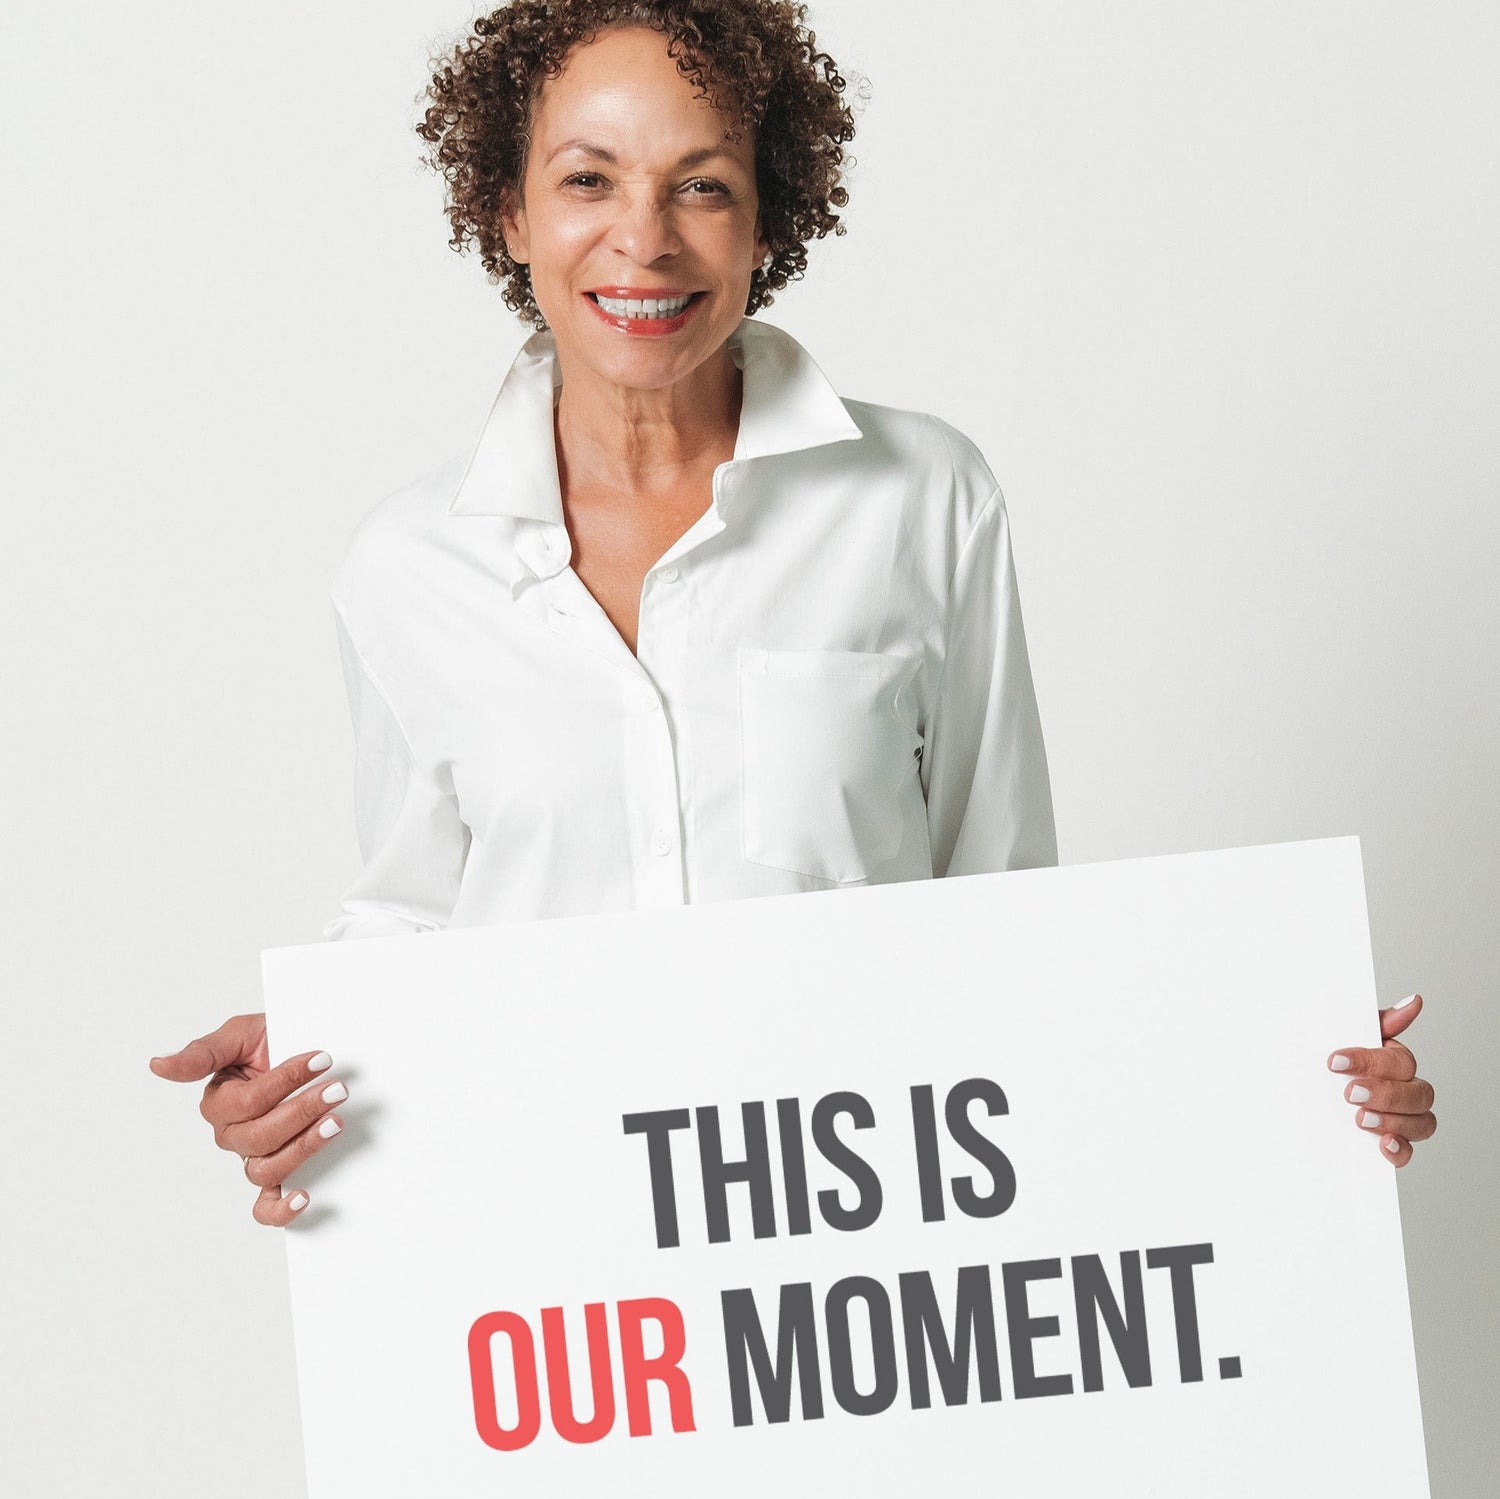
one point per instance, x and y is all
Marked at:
(645, 229)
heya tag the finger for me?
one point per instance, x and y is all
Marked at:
(1396, 1150)
(1385, 1096)
(1407, 1126)
(1400, 1015)
(269, 1133)
(240, 1041)
(276, 1211)
(232, 1100)
(271, 1170)
(1392, 1060)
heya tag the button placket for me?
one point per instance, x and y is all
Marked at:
(664, 803)
(651, 754)
(665, 619)
(661, 869)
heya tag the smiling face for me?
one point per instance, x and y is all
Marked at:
(632, 193)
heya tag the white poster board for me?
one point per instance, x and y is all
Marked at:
(1063, 1089)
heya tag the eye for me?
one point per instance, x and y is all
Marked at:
(583, 179)
(709, 183)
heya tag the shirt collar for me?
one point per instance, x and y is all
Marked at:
(788, 404)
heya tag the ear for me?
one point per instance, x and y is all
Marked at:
(762, 249)
(513, 227)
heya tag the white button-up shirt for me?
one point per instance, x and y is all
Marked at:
(830, 685)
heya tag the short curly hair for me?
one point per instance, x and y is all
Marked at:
(754, 59)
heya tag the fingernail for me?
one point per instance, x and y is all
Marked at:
(297, 1201)
(1357, 1094)
(329, 1128)
(1340, 1063)
(335, 1093)
(1401, 1004)
(1393, 1145)
(1367, 1120)
(319, 1063)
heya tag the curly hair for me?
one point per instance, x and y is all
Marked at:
(754, 59)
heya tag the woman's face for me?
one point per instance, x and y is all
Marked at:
(632, 192)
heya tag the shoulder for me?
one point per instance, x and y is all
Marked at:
(391, 543)
(941, 465)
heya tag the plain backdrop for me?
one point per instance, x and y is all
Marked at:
(1213, 287)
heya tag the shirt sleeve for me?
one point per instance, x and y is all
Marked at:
(984, 766)
(412, 841)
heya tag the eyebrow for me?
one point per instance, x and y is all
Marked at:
(601, 153)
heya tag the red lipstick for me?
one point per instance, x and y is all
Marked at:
(655, 327)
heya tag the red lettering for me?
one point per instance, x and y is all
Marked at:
(638, 1370)
(482, 1376)
(560, 1384)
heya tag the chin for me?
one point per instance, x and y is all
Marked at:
(640, 363)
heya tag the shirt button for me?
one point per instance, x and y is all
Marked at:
(668, 575)
(662, 842)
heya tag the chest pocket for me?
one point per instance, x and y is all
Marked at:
(828, 740)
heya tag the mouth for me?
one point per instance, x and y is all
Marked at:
(621, 303)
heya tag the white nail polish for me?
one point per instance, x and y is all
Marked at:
(1367, 1120)
(297, 1201)
(320, 1063)
(1358, 1094)
(329, 1128)
(1401, 1004)
(1340, 1063)
(1393, 1145)
(335, 1093)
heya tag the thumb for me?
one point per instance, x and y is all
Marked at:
(1400, 1015)
(239, 1040)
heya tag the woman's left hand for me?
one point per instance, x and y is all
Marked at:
(1395, 1103)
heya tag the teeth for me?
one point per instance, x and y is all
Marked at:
(647, 307)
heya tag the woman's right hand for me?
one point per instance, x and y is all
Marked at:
(254, 1108)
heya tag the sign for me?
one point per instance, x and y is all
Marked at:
(1030, 1183)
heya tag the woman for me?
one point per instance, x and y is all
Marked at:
(686, 625)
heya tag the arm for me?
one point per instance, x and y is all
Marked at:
(984, 766)
(414, 845)
(411, 838)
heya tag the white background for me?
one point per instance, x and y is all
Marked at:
(1212, 286)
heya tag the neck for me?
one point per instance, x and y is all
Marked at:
(648, 440)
